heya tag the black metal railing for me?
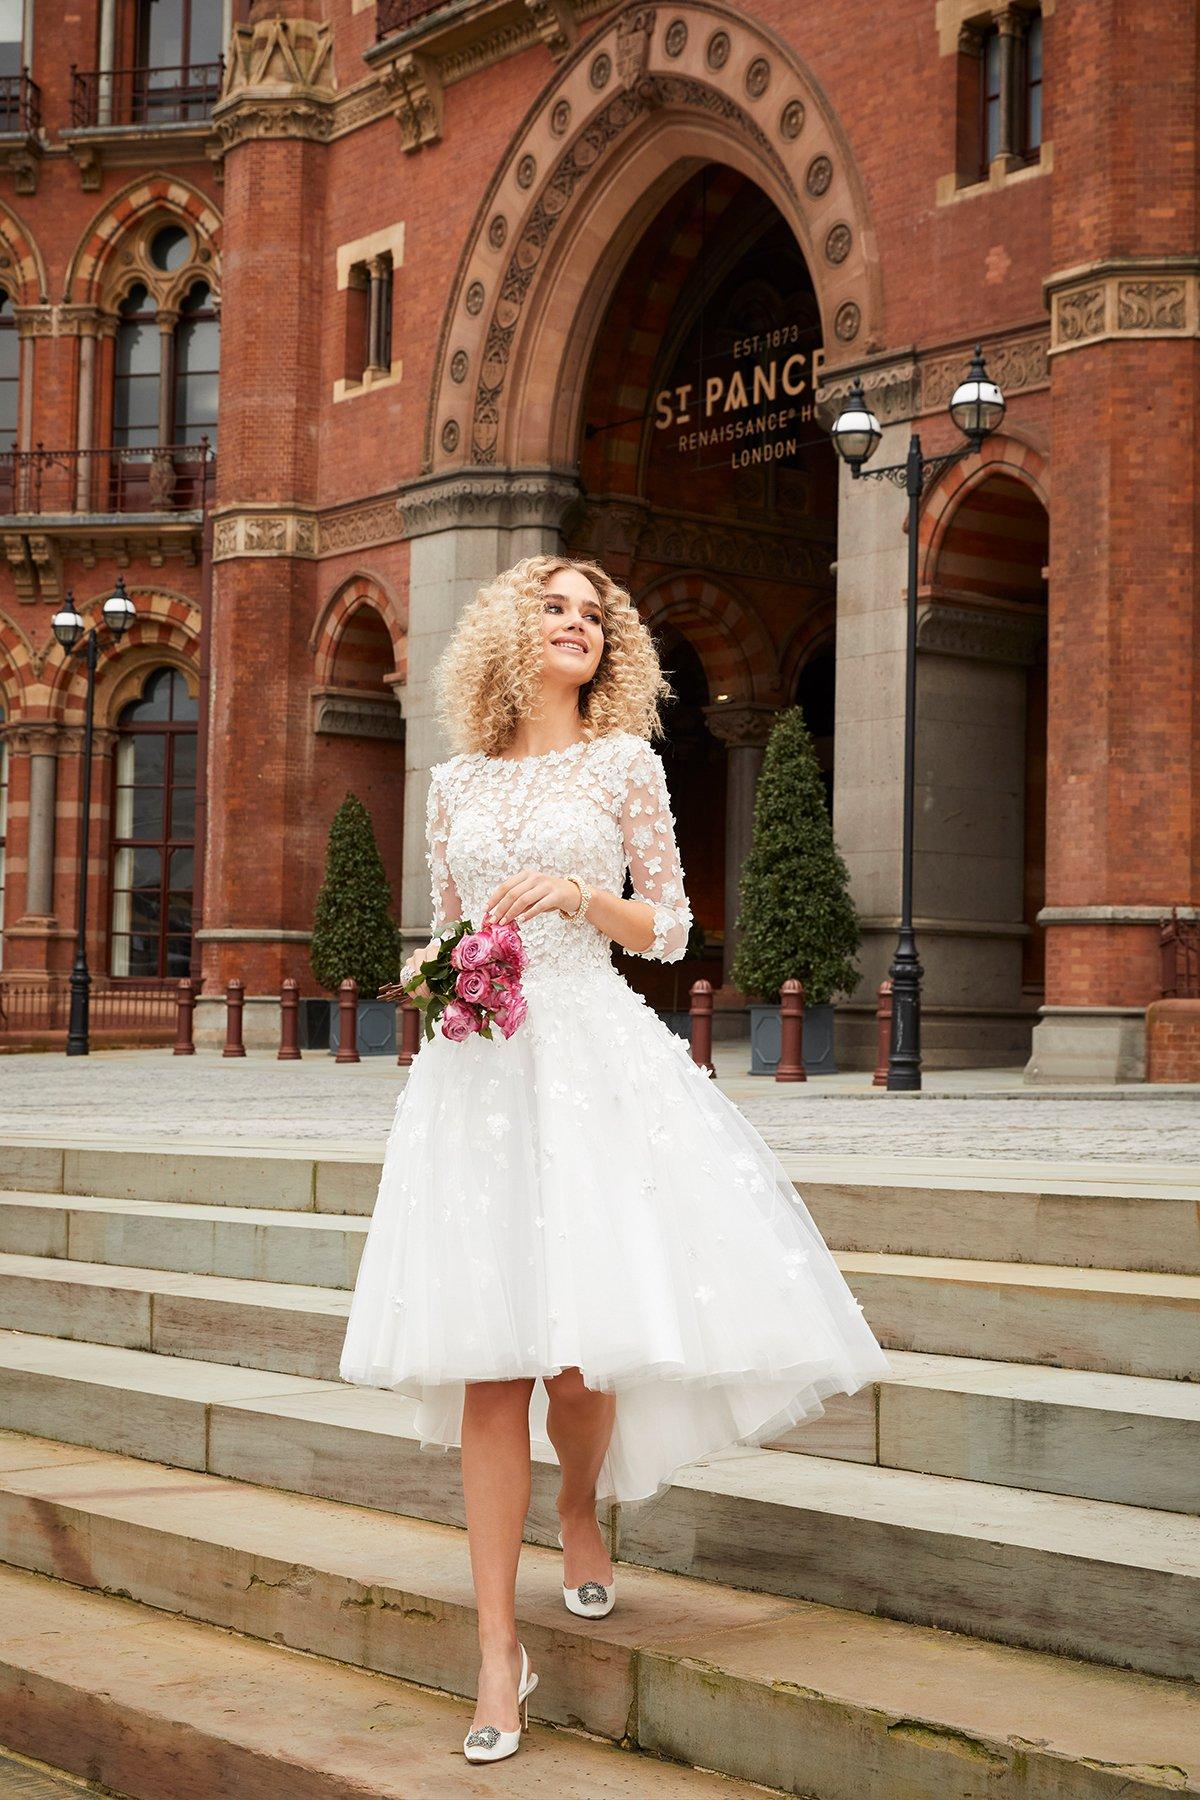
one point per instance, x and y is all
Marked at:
(155, 478)
(20, 103)
(392, 16)
(144, 96)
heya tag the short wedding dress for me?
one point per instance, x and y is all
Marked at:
(582, 1195)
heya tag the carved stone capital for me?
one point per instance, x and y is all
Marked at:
(33, 737)
(413, 85)
(242, 531)
(741, 724)
(278, 83)
(342, 712)
(492, 499)
(554, 21)
(985, 634)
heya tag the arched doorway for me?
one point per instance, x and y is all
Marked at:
(710, 490)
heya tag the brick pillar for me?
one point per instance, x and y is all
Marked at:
(257, 916)
(1123, 779)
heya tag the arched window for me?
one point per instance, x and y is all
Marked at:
(138, 373)
(3, 828)
(10, 373)
(153, 843)
(197, 356)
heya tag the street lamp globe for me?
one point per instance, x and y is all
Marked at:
(856, 431)
(977, 406)
(67, 624)
(119, 610)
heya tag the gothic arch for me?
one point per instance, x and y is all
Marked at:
(726, 634)
(19, 663)
(646, 100)
(998, 455)
(167, 630)
(815, 631)
(88, 276)
(356, 591)
(22, 271)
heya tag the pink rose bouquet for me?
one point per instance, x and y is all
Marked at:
(474, 982)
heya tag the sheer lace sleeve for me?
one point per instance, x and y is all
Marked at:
(447, 907)
(648, 829)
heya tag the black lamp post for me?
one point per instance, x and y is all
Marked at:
(69, 629)
(977, 407)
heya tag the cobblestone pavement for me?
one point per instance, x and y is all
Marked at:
(143, 1094)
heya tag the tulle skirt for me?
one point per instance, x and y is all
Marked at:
(581, 1195)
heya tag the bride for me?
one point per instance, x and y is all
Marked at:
(577, 1204)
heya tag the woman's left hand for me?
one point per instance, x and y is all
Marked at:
(528, 893)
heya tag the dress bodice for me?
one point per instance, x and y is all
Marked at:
(595, 809)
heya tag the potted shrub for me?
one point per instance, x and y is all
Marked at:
(354, 935)
(794, 908)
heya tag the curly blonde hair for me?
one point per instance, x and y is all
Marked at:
(488, 677)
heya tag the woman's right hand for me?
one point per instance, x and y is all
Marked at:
(393, 990)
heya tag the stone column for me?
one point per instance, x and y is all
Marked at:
(32, 747)
(465, 528)
(43, 772)
(1011, 26)
(743, 726)
(85, 411)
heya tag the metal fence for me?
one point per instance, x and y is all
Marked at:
(150, 478)
(33, 1011)
(144, 96)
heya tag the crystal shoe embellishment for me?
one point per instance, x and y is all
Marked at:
(592, 1593)
(486, 1737)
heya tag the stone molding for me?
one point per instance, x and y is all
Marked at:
(1114, 915)
(33, 737)
(984, 633)
(248, 934)
(908, 384)
(263, 531)
(278, 83)
(1123, 298)
(495, 501)
(355, 527)
(339, 712)
(627, 527)
(741, 724)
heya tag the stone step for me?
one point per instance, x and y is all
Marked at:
(177, 1708)
(794, 1695)
(1064, 1431)
(1114, 1218)
(1110, 1582)
(1118, 1321)
(1125, 1322)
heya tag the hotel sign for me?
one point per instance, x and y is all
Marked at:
(745, 406)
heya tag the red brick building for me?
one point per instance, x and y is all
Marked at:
(495, 276)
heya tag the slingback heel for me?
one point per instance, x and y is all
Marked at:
(487, 1743)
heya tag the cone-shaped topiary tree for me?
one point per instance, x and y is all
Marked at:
(354, 935)
(795, 912)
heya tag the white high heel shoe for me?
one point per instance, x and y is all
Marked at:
(591, 1600)
(487, 1743)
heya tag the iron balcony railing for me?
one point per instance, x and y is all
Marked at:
(20, 103)
(144, 96)
(154, 478)
(392, 16)
(114, 1004)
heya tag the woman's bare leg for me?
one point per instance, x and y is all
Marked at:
(579, 1422)
(496, 1488)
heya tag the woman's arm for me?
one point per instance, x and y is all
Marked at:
(652, 854)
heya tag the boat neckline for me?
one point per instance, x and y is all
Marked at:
(542, 755)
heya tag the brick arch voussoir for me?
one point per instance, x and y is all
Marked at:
(122, 214)
(23, 273)
(166, 622)
(638, 105)
(997, 455)
(356, 591)
(734, 650)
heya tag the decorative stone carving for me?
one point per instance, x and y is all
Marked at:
(675, 42)
(476, 295)
(358, 715)
(374, 522)
(837, 244)
(633, 45)
(791, 120)
(254, 531)
(460, 362)
(717, 53)
(607, 527)
(846, 322)
(1125, 297)
(526, 171)
(1018, 364)
(758, 77)
(414, 87)
(554, 23)
(278, 82)
(741, 724)
(892, 388)
(560, 118)
(505, 502)
(983, 633)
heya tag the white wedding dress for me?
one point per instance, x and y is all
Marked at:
(582, 1194)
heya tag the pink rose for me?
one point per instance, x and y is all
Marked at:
(459, 1021)
(475, 986)
(471, 951)
(512, 1014)
(509, 945)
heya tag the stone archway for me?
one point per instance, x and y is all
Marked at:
(636, 110)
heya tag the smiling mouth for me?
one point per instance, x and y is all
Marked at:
(569, 644)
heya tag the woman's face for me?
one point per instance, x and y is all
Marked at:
(572, 628)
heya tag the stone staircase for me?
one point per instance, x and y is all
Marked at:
(980, 1577)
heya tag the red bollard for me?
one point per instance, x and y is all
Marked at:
(410, 1030)
(701, 1021)
(289, 1022)
(348, 1022)
(235, 997)
(185, 1008)
(790, 1066)
(883, 1046)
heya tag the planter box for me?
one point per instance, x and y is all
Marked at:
(320, 1027)
(765, 1039)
